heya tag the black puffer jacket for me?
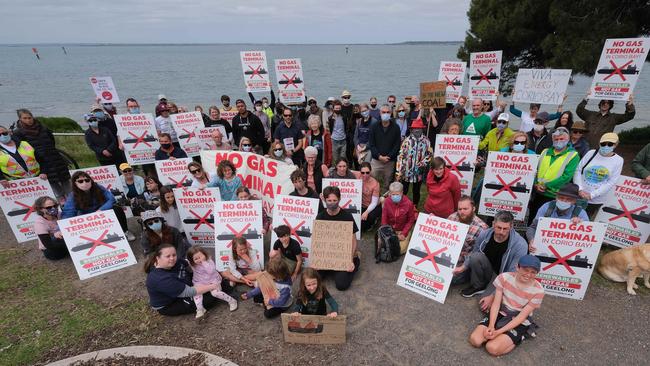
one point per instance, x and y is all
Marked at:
(47, 156)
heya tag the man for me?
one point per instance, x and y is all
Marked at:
(564, 207)
(104, 119)
(167, 150)
(299, 180)
(327, 111)
(290, 134)
(218, 143)
(578, 138)
(603, 121)
(246, 124)
(313, 108)
(103, 143)
(539, 138)
(338, 128)
(164, 123)
(132, 106)
(347, 113)
(414, 111)
(391, 100)
(375, 112)
(496, 250)
(227, 111)
(499, 137)
(362, 135)
(266, 107)
(266, 122)
(384, 144)
(466, 214)
(162, 100)
(477, 123)
(400, 213)
(641, 165)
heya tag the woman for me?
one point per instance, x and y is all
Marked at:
(314, 169)
(518, 144)
(370, 207)
(452, 126)
(565, 120)
(443, 189)
(50, 239)
(200, 178)
(227, 180)
(169, 210)
(103, 143)
(215, 120)
(401, 121)
(152, 192)
(244, 266)
(245, 144)
(157, 232)
(340, 170)
(400, 213)
(278, 152)
(319, 138)
(88, 197)
(413, 160)
(457, 112)
(17, 160)
(42, 140)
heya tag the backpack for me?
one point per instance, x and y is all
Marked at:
(387, 247)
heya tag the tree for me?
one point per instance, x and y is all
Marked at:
(551, 33)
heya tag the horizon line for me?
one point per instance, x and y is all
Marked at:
(221, 44)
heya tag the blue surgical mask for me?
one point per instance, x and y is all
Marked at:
(134, 110)
(559, 145)
(501, 126)
(156, 226)
(5, 139)
(365, 114)
(401, 114)
(606, 150)
(396, 198)
(562, 205)
(385, 116)
(100, 114)
(93, 124)
(518, 148)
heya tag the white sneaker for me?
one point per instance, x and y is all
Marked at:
(129, 236)
(200, 312)
(233, 305)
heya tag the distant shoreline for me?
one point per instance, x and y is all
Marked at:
(405, 43)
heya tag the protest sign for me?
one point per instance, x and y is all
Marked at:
(237, 219)
(313, 329)
(139, 136)
(108, 177)
(17, 200)
(228, 114)
(626, 213)
(568, 253)
(185, 125)
(544, 86)
(351, 192)
(619, 68)
(484, 74)
(431, 256)
(204, 134)
(264, 177)
(195, 207)
(331, 246)
(104, 89)
(453, 73)
(174, 173)
(459, 153)
(288, 73)
(508, 183)
(96, 243)
(298, 213)
(255, 68)
(432, 94)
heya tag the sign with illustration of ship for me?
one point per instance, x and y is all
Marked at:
(185, 125)
(174, 173)
(351, 192)
(196, 209)
(484, 74)
(17, 199)
(110, 238)
(256, 76)
(313, 329)
(238, 219)
(138, 135)
(298, 213)
(288, 73)
(459, 153)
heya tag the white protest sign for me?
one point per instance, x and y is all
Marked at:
(174, 173)
(298, 214)
(544, 86)
(204, 134)
(452, 72)
(139, 137)
(196, 209)
(351, 197)
(96, 243)
(459, 153)
(508, 183)
(237, 219)
(484, 74)
(255, 68)
(185, 125)
(431, 256)
(288, 73)
(619, 68)
(108, 177)
(104, 89)
(17, 201)
(627, 213)
(568, 253)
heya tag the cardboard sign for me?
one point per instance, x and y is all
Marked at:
(459, 153)
(107, 176)
(104, 89)
(196, 209)
(185, 125)
(313, 329)
(544, 86)
(174, 173)
(298, 214)
(139, 136)
(235, 219)
(264, 177)
(432, 94)
(432, 256)
(484, 74)
(452, 73)
(204, 134)
(619, 68)
(255, 68)
(508, 183)
(331, 247)
(351, 197)
(17, 202)
(288, 73)
(568, 253)
(96, 243)
(627, 213)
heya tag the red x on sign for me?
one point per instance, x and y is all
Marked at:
(451, 82)
(29, 208)
(617, 70)
(238, 234)
(290, 81)
(562, 260)
(97, 242)
(431, 256)
(139, 139)
(627, 213)
(484, 76)
(179, 183)
(190, 134)
(203, 220)
(293, 229)
(506, 186)
(256, 71)
(454, 166)
(346, 204)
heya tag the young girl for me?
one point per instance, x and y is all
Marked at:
(244, 266)
(205, 273)
(313, 295)
(274, 289)
(227, 180)
(169, 210)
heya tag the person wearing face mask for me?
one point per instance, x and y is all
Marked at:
(413, 160)
(362, 134)
(102, 142)
(400, 214)
(518, 143)
(266, 123)
(227, 111)
(264, 102)
(401, 121)
(17, 160)
(167, 150)
(104, 117)
(598, 172)
(499, 137)
(457, 112)
(278, 152)
(384, 143)
(443, 190)
(528, 119)
(338, 128)
(327, 110)
(578, 140)
(132, 106)
(603, 121)
(539, 138)
(46, 228)
(156, 231)
(313, 109)
(374, 110)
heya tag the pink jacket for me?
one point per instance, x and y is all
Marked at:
(443, 195)
(206, 273)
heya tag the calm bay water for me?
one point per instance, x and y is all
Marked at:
(58, 85)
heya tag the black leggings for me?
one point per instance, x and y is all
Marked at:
(269, 313)
(186, 305)
(372, 217)
(121, 217)
(343, 279)
(416, 191)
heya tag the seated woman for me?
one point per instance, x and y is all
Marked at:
(156, 232)
(169, 210)
(400, 213)
(370, 207)
(244, 266)
(200, 178)
(152, 192)
(443, 190)
(227, 180)
(279, 152)
(50, 239)
(314, 169)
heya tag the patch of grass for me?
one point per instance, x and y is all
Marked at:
(60, 124)
(76, 147)
(635, 136)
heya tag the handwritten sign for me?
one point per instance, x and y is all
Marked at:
(432, 94)
(619, 68)
(544, 86)
(313, 329)
(104, 89)
(453, 74)
(331, 246)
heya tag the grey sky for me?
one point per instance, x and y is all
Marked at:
(230, 21)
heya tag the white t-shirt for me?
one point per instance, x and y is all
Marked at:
(164, 125)
(599, 176)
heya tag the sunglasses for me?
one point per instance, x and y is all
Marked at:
(4, 133)
(153, 221)
(50, 207)
(345, 97)
(127, 171)
(246, 145)
(278, 150)
(607, 144)
(312, 102)
(365, 173)
(519, 142)
(85, 180)
(391, 101)
(195, 171)
(286, 115)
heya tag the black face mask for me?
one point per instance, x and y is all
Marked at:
(374, 106)
(412, 105)
(166, 146)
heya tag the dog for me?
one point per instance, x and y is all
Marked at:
(625, 265)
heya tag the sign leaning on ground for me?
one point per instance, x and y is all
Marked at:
(139, 137)
(256, 71)
(484, 74)
(104, 89)
(543, 86)
(237, 219)
(313, 329)
(298, 213)
(452, 73)
(17, 200)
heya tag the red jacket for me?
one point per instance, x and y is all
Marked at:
(400, 216)
(443, 196)
(327, 146)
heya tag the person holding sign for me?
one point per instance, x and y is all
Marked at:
(156, 232)
(167, 150)
(528, 119)
(443, 189)
(200, 178)
(641, 165)
(244, 266)
(370, 207)
(477, 123)
(603, 120)
(299, 180)
(274, 289)
(164, 123)
(103, 143)
(50, 239)
(17, 159)
(466, 214)
(499, 137)
(313, 297)
(227, 180)
(215, 120)
(288, 249)
(291, 135)
(217, 141)
(509, 320)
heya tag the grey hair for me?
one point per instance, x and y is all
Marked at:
(396, 187)
(311, 151)
(504, 217)
(22, 111)
(313, 117)
(385, 105)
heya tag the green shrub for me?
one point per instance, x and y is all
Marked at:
(60, 124)
(635, 136)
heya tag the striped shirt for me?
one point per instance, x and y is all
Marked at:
(515, 295)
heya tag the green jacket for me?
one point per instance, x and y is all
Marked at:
(641, 163)
(494, 143)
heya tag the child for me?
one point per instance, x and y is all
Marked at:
(274, 289)
(244, 266)
(508, 322)
(205, 273)
(313, 295)
(289, 249)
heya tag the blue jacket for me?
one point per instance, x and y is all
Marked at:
(71, 210)
(165, 285)
(517, 248)
(283, 301)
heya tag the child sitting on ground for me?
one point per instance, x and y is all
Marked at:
(205, 273)
(289, 250)
(274, 289)
(313, 295)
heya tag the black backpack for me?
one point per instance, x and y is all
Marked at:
(386, 245)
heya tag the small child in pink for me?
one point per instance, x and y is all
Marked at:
(205, 273)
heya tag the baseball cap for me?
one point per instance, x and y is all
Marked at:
(161, 97)
(530, 261)
(125, 166)
(96, 107)
(346, 93)
(609, 137)
(504, 117)
(561, 131)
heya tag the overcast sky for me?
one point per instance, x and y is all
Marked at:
(230, 21)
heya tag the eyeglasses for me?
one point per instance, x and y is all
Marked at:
(4, 133)
(365, 173)
(83, 180)
(578, 132)
(50, 207)
(519, 142)
(607, 144)
(153, 221)
(127, 171)
(312, 102)
(391, 101)
(195, 171)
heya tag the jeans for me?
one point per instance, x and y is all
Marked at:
(338, 150)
